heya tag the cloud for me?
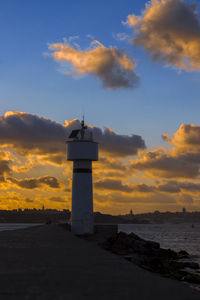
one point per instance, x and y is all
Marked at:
(155, 198)
(111, 65)
(57, 199)
(182, 160)
(33, 183)
(28, 200)
(4, 163)
(161, 163)
(169, 31)
(121, 36)
(117, 185)
(111, 184)
(179, 187)
(29, 134)
(111, 142)
(185, 199)
(188, 135)
(169, 187)
(4, 167)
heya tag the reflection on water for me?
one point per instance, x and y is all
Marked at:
(174, 236)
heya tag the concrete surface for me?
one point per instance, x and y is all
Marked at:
(48, 262)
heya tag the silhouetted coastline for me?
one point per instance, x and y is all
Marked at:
(41, 215)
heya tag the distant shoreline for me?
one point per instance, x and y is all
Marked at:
(41, 216)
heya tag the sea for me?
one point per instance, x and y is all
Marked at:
(14, 226)
(177, 237)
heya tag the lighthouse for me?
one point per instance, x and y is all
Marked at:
(82, 150)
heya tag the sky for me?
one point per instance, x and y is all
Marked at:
(132, 68)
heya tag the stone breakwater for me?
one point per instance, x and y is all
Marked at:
(149, 255)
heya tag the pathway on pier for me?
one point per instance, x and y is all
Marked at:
(47, 262)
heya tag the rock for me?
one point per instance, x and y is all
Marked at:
(134, 236)
(192, 278)
(183, 254)
(168, 254)
(149, 255)
(191, 265)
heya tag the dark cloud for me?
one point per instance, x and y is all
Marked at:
(169, 187)
(30, 134)
(28, 200)
(169, 30)
(4, 163)
(111, 184)
(33, 183)
(4, 167)
(114, 143)
(57, 199)
(178, 187)
(159, 163)
(117, 185)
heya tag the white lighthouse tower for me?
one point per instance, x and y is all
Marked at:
(82, 150)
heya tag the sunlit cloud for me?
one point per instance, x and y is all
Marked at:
(111, 65)
(169, 31)
(187, 135)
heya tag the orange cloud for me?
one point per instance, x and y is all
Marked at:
(188, 135)
(182, 161)
(114, 68)
(169, 30)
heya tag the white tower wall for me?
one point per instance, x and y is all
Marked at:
(82, 153)
(82, 149)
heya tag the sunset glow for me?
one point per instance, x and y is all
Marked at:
(137, 81)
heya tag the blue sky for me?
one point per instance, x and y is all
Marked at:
(32, 82)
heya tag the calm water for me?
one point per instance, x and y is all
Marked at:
(14, 226)
(173, 236)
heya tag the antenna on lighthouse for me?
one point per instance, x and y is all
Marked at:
(83, 128)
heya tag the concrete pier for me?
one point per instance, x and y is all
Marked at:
(48, 262)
